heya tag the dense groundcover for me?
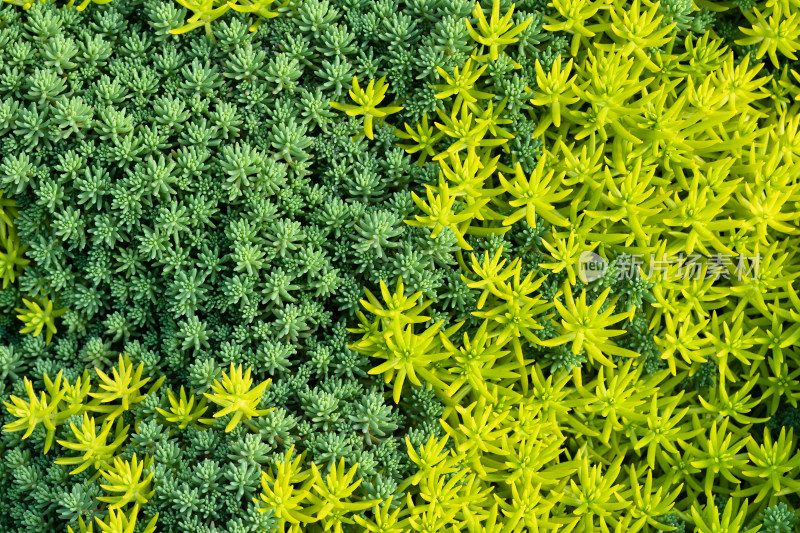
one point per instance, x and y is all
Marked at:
(387, 266)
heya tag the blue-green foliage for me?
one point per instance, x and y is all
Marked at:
(779, 519)
(195, 204)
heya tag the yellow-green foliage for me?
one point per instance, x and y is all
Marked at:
(124, 481)
(85, 3)
(261, 8)
(775, 29)
(93, 444)
(303, 500)
(12, 261)
(497, 32)
(183, 411)
(652, 147)
(44, 409)
(8, 212)
(120, 391)
(37, 318)
(234, 395)
(98, 439)
(116, 522)
(204, 12)
(367, 101)
(679, 149)
(112, 396)
(119, 521)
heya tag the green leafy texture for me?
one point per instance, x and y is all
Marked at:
(213, 254)
(167, 250)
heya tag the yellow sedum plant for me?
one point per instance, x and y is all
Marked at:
(305, 500)
(37, 318)
(366, 103)
(12, 260)
(124, 386)
(233, 393)
(44, 410)
(183, 411)
(204, 12)
(124, 481)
